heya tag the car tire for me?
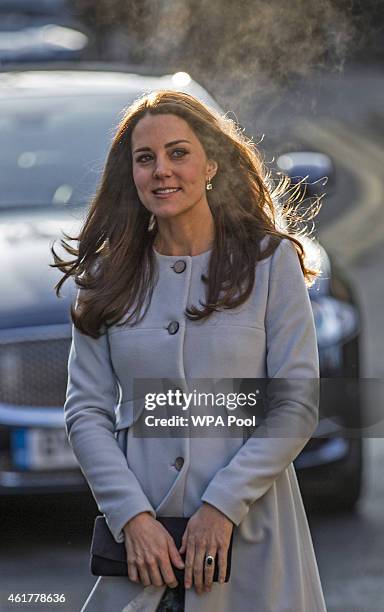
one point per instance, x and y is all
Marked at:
(336, 487)
(348, 485)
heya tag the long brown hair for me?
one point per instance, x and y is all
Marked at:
(115, 261)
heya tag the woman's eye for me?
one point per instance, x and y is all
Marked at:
(143, 158)
(147, 157)
(178, 153)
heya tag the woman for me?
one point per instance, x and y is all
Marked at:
(184, 274)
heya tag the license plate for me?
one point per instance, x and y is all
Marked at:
(41, 449)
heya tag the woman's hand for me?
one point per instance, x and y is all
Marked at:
(208, 532)
(150, 551)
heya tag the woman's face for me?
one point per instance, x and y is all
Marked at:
(170, 167)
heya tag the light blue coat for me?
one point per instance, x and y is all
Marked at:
(272, 335)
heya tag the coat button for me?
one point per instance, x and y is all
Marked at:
(179, 462)
(173, 328)
(179, 266)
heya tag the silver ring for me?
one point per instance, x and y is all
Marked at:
(209, 560)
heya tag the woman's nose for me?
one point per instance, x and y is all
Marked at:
(162, 168)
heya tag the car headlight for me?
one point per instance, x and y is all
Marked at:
(335, 321)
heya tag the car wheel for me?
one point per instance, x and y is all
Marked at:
(335, 487)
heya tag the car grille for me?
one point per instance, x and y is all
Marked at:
(33, 365)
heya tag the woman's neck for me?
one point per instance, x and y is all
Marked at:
(174, 239)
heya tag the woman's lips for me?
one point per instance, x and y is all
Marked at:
(164, 194)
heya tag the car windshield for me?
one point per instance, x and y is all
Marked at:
(53, 149)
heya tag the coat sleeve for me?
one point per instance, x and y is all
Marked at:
(89, 413)
(292, 413)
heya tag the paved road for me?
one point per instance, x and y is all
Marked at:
(44, 549)
(350, 548)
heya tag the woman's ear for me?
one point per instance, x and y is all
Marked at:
(212, 167)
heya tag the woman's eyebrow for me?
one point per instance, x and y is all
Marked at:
(169, 144)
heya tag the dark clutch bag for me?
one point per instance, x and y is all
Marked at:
(108, 557)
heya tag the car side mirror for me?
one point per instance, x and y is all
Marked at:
(317, 167)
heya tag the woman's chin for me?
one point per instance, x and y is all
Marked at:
(167, 212)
